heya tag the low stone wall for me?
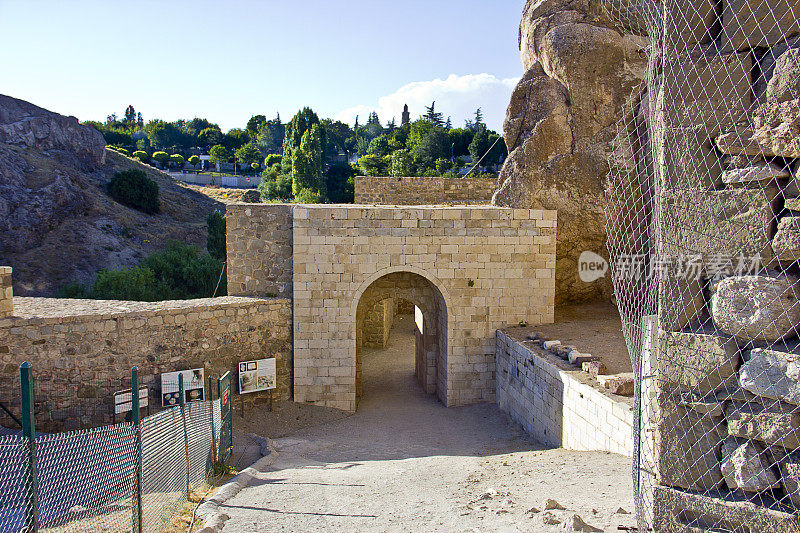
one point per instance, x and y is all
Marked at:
(82, 351)
(259, 248)
(555, 402)
(423, 191)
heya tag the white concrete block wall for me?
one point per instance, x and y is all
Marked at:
(558, 404)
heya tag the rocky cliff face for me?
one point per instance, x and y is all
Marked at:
(56, 222)
(561, 124)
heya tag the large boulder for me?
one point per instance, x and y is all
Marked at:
(561, 127)
(22, 123)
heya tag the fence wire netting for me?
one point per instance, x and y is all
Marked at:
(86, 480)
(704, 239)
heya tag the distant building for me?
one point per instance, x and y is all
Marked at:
(406, 116)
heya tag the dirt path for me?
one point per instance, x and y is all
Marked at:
(404, 462)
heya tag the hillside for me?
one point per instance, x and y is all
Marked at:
(57, 224)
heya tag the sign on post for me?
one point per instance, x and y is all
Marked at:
(123, 403)
(259, 375)
(226, 429)
(193, 384)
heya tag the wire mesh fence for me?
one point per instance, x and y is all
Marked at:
(131, 476)
(704, 237)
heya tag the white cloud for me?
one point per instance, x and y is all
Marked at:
(456, 96)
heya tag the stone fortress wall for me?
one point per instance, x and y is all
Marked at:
(371, 190)
(493, 266)
(724, 130)
(82, 351)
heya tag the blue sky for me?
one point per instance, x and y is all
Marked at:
(229, 60)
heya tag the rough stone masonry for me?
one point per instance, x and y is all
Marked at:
(722, 118)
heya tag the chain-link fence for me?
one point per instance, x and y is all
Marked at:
(704, 235)
(131, 476)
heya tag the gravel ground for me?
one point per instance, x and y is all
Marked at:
(404, 462)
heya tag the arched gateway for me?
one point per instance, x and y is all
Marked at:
(430, 364)
(469, 270)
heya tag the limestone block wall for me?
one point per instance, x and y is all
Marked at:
(556, 402)
(82, 351)
(259, 248)
(423, 191)
(6, 292)
(493, 267)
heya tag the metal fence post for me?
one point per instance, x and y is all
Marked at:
(182, 402)
(29, 433)
(137, 439)
(213, 431)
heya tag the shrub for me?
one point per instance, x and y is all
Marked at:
(429, 173)
(161, 157)
(194, 160)
(141, 155)
(177, 159)
(215, 243)
(72, 290)
(272, 159)
(443, 165)
(177, 272)
(134, 189)
(275, 186)
(137, 283)
(308, 196)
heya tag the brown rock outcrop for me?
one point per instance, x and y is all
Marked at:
(561, 124)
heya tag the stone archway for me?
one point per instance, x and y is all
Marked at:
(430, 366)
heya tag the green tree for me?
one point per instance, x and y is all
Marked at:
(459, 141)
(340, 183)
(161, 156)
(419, 130)
(195, 126)
(373, 119)
(219, 154)
(480, 145)
(194, 160)
(379, 146)
(272, 159)
(141, 155)
(307, 163)
(177, 160)
(401, 164)
(435, 145)
(432, 116)
(372, 165)
(164, 134)
(215, 243)
(247, 155)
(254, 125)
(235, 139)
(270, 136)
(209, 137)
(303, 121)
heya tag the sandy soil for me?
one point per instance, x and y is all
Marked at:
(403, 462)
(594, 328)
